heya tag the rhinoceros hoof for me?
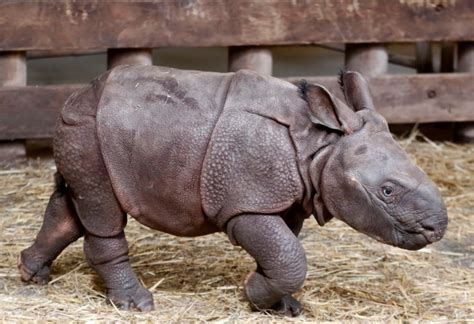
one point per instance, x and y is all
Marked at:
(136, 297)
(32, 270)
(288, 306)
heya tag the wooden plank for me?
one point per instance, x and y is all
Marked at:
(417, 98)
(424, 57)
(12, 151)
(465, 132)
(31, 112)
(447, 57)
(368, 59)
(466, 57)
(92, 24)
(12, 73)
(258, 59)
(127, 56)
(12, 69)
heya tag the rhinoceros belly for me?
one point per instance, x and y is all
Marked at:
(154, 125)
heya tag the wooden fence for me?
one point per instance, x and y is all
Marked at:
(128, 30)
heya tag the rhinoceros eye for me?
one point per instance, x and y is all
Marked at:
(387, 191)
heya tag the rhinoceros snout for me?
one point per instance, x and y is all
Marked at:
(435, 228)
(429, 230)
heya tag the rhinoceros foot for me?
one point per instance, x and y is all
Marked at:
(288, 306)
(135, 297)
(33, 269)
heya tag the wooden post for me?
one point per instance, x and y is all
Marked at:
(465, 131)
(129, 56)
(466, 57)
(12, 73)
(368, 59)
(424, 57)
(447, 57)
(258, 59)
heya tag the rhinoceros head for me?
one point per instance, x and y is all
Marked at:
(367, 180)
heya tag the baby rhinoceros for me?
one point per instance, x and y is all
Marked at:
(193, 153)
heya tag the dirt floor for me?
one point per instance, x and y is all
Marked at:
(350, 277)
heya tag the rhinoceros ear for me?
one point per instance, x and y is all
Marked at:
(356, 90)
(327, 110)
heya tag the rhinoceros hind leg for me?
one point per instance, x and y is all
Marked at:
(61, 227)
(109, 257)
(79, 159)
(281, 260)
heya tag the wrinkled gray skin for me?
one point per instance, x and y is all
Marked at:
(192, 153)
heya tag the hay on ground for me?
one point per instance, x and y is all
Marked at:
(350, 277)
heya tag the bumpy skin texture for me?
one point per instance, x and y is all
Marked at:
(280, 257)
(226, 148)
(154, 125)
(181, 158)
(79, 160)
(60, 228)
(109, 257)
(192, 153)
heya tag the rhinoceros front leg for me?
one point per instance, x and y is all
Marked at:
(281, 262)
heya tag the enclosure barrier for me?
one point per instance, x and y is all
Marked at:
(128, 30)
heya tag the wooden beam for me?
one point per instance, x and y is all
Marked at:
(368, 59)
(91, 24)
(394, 58)
(447, 57)
(12, 69)
(40, 54)
(417, 98)
(258, 59)
(466, 57)
(12, 73)
(465, 132)
(129, 56)
(31, 112)
(424, 57)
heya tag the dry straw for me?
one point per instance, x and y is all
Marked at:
(351, 277)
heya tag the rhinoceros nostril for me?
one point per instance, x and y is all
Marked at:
(432, 233)
(429, 228)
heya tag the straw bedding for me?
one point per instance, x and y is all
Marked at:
(350, 277)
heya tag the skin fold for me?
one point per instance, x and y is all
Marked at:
(192, 153)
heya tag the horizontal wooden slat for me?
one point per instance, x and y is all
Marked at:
(92, 24)
(31, 112)
(417, 98)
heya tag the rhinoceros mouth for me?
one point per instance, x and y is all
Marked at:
(410, 239)
(430, 230)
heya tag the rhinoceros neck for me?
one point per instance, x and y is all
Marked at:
(317, 168)
(281, 102)
(318, 164)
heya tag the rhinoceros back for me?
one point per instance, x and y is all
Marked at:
(154, 125)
